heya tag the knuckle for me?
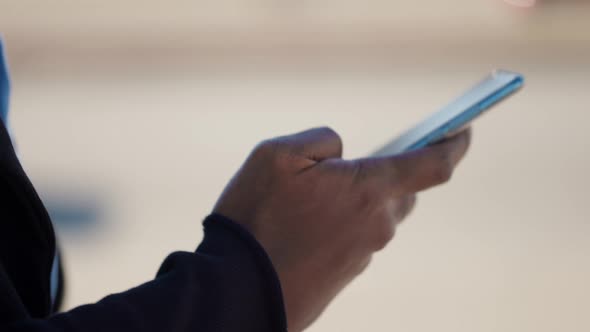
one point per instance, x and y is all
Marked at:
(268, 154)
(266, 149)
(444, 170)
(331, 133)
(407, 207)
(444, 174)
(332, 136)
(384, 236)
(365, 174)
(363, 265)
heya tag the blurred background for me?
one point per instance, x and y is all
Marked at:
(130, 116)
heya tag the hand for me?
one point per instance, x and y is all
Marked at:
(319, 217)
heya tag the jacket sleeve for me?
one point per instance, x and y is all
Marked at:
(228, 284)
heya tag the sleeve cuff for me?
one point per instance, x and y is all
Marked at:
(250, 257)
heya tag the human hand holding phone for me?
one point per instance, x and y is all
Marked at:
(319, 217)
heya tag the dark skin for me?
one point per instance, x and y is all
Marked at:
(320, 217)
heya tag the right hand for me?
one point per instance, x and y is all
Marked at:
(319, 217)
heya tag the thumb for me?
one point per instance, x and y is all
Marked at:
(418, 170)
(316, 144)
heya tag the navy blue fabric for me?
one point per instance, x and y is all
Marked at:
(228, 284)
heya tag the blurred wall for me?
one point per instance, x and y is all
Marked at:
(123, 109)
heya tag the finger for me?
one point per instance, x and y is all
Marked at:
(465, 130)
(417, 170)
(406, 207)
(399, 208)
(315, 144)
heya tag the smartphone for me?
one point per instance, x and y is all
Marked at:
(496, 87)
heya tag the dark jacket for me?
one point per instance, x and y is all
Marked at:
(227, 284)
